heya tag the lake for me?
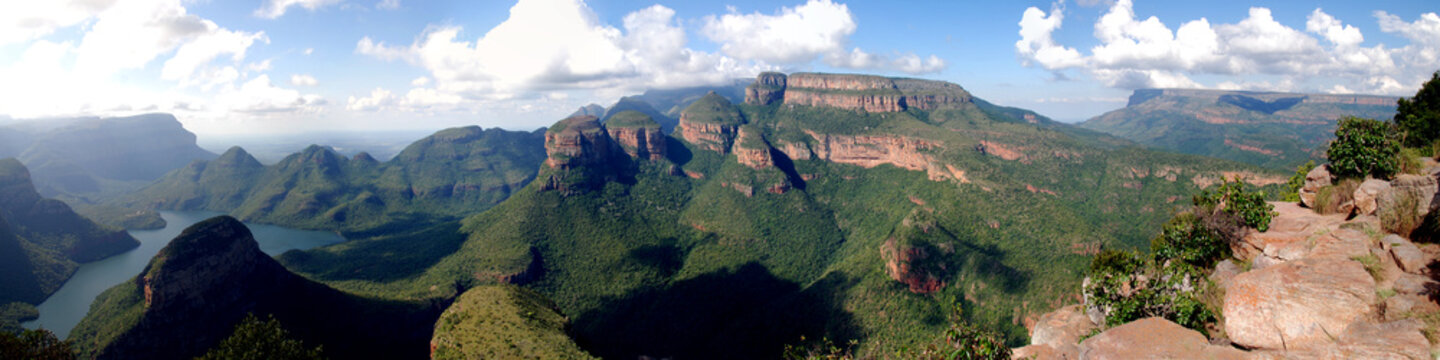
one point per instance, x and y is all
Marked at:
(64, 309)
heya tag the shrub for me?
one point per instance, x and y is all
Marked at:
(1363, 147)
(1297, 181)
(1231, 197)
(1418, 117)
(1168, 289)
(257, 339)
(1409, 161)
(965, 341)
(34, 344)
(1187, 239)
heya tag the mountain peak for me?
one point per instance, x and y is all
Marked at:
(206, 256)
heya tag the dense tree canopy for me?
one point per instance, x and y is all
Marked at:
(1363, 147)
(1419, 117)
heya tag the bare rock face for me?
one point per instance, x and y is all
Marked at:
(577, 141)
(711, 123)
(1297, 304)
(639, 135)
(1290, 234)
(1406, 254)
(752, 150)
(1314, 180)
(1367, 194)
(1060, 331)
(1154, 338)
(873, 150)
(1410, 196)
(1393, 340)
(769, 88)
(901, 264)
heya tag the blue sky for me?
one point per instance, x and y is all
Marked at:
(272, 66)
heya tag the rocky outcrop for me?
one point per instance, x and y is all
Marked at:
(1366, 195)
(874, 150)
(769, 88)
(1314, 180)
(902, 264)
(751, 149)
(638, 134)
(711, 123)
(1407, 199)
(1154, 338)
(854, 92)
(577, 141)
(1057, 334)
(1297, 304)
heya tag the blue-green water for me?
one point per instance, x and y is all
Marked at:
(64, 309)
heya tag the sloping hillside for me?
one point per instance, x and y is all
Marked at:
(1275, 130)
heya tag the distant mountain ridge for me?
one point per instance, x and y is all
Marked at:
(42, 241)
(449, 174)
(1272, 129)
(78, 157)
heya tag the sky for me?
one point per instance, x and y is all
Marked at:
(287, 66)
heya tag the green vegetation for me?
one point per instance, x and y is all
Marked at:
(124, 218)
(1363, 147)
(1330, 199)
(1231, 197)
(714, 109)
(631, 119)
(34, 345)
(1418, 117)
(12, 314)
(1172, 281)
(963, 341)
(255, 339)
(503, 322)
(1372, 266)
(42, 241)
(450, 174)
(1265, 129)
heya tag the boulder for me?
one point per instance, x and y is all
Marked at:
(1408, 199)
(1045, 352)
(1297, 304)
(1366, 195)
(1225, 270)
(1061, 327)
(1392, 340)
(1154, 338)
(1314, 180)
(1406, 254)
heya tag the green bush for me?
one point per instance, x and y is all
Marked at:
(257, 339)
(1232, 198)
(1418, 118)
(1292, 187)
(34, 344)
(964, 341)
(1363, 147)
(1409, 161)
(1186, 239)
(1168, 289)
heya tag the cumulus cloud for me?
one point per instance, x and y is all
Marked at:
(274, 9)
(816, 29)
(22, 21)
(259, 95)
(1139, 53)
(303, 80)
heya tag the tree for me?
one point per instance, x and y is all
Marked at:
(34, 344)
(1418, 117)
(1363, 147)
(255, 340)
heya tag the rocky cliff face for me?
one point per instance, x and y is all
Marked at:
(711, 123)
(874, 150)
(638, 134)
(854, 92)
(752, 150)
(577, 141)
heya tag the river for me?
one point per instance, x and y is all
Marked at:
(64, 309)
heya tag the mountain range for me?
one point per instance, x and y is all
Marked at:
(1271, 129)
(844, 207)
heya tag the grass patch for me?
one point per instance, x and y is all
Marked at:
(1372, 265)
(1329, 199)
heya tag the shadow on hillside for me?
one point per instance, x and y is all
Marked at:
(677, 152)
(747, 313)
(380, 259)
(989, 263)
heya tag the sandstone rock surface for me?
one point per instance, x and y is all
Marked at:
(1297, 304)
(1154, 338)
(1367, 194)
(1314, 180)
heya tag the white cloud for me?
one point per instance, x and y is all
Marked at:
(276, 8)
(388, 4)
(1134, 53)
(303, 80)
(260, 96)
(794, 35)
(22, 21)
(309, 51)
(378, 99)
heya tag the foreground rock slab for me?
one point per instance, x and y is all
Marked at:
(1297, 304)
(1154, 338)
